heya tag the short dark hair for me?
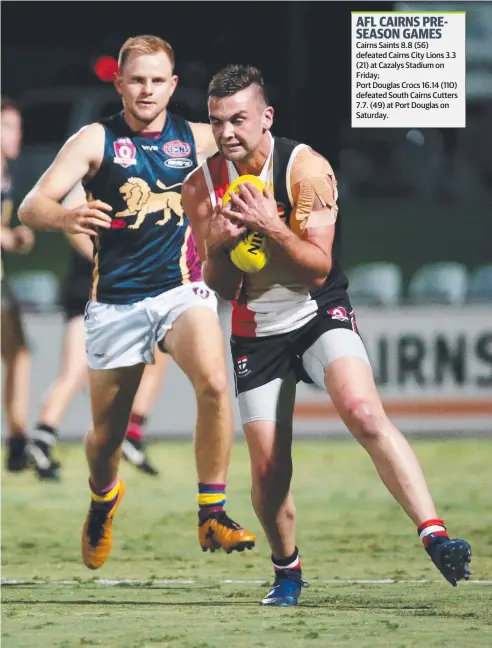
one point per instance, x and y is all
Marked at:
(233, 78)
(8, 104)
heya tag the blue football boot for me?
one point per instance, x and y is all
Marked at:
(451, 557)
(286, 588)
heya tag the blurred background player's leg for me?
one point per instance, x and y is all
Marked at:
(17, 361)
(196, 344)
(133, 446)
(72, 378)
(73, 372)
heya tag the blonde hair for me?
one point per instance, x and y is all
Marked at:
(144, 44)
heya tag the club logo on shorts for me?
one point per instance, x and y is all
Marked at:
(177, 149)
(125, 152)
(339, 313)
(204, 293)
(242, 366)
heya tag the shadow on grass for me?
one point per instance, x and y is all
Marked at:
(126, 603)
(415, 609)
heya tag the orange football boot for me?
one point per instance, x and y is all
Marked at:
(220, 532)
(97, 535)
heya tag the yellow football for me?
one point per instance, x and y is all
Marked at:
(251, 253)
(234, 186)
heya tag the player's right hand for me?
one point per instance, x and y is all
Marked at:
(88, 218)
(24, 239)
(8, 239)
(223, 233)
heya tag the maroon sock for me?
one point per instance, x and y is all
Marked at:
(136, 426)
(99, 495)
(211, 498)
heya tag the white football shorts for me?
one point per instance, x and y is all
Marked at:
(122, 335)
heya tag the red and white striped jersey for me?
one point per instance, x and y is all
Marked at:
(273, 300)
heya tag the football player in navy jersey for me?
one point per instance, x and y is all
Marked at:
(73, 375)
(147, 286)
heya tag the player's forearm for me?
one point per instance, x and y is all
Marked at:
(308, 261)
(39, 212)
(222, 276)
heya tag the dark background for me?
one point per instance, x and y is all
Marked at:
(54, 43)
(401, 202)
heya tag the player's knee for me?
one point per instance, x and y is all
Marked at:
(212, 388)
(364, 421)
(103, 441)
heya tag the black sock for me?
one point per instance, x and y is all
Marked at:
(45, 434)
(17, 444)
(290, 562)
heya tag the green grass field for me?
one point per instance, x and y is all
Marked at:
(348, 529)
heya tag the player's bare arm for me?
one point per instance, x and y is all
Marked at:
(204, 140)
(80, 242)
(79, 158)
(307, 246)
(18, 240)
(215, 236)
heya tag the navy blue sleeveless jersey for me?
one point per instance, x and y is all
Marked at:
(149, 248)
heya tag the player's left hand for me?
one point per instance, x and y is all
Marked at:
(223, 233)
(255, 210)
(24, 239)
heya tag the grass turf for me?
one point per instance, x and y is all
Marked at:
(348, 528)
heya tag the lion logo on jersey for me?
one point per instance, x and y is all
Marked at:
(140, 201)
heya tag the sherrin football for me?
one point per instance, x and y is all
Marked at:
(251, 252)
